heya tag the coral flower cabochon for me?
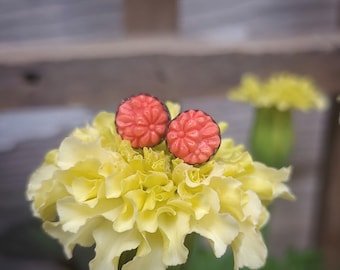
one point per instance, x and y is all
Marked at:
(146, 177)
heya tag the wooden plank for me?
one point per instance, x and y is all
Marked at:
(249, 20)
(101, 81)
(150, 16)
(63, 21)
(329, 216)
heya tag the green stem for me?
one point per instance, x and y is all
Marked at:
(272, 137)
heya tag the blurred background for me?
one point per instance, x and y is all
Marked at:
(62, 21)
(61, 61)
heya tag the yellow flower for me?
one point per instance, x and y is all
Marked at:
(95, 189)
(283, 91)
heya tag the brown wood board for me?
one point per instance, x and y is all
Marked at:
(101, 82)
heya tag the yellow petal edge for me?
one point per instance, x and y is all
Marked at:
(283, 91)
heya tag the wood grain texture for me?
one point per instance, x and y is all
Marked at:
(80, 21)
(329, 216)
(247, 20)
(60, 20)
(150, 16)
(101, 82)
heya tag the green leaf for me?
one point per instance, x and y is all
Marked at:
(297, 260)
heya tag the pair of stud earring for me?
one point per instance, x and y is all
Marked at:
(144, 120)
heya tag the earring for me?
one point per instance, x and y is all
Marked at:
(193, 136)
(143, 120)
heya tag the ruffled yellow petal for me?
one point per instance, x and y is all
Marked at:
(149, 254)
(230, 195)
(111, 244)
(174, 108)
(43, 173)
(223, 126)
(68, 239)
(219, 229)
(268, 183)
(249, 248)
(174, 229)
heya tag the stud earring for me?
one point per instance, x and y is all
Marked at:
(193, 136)
(143, 120)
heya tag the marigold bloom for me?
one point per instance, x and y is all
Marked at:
(96, 189)
(272, 136)
(283, 91)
